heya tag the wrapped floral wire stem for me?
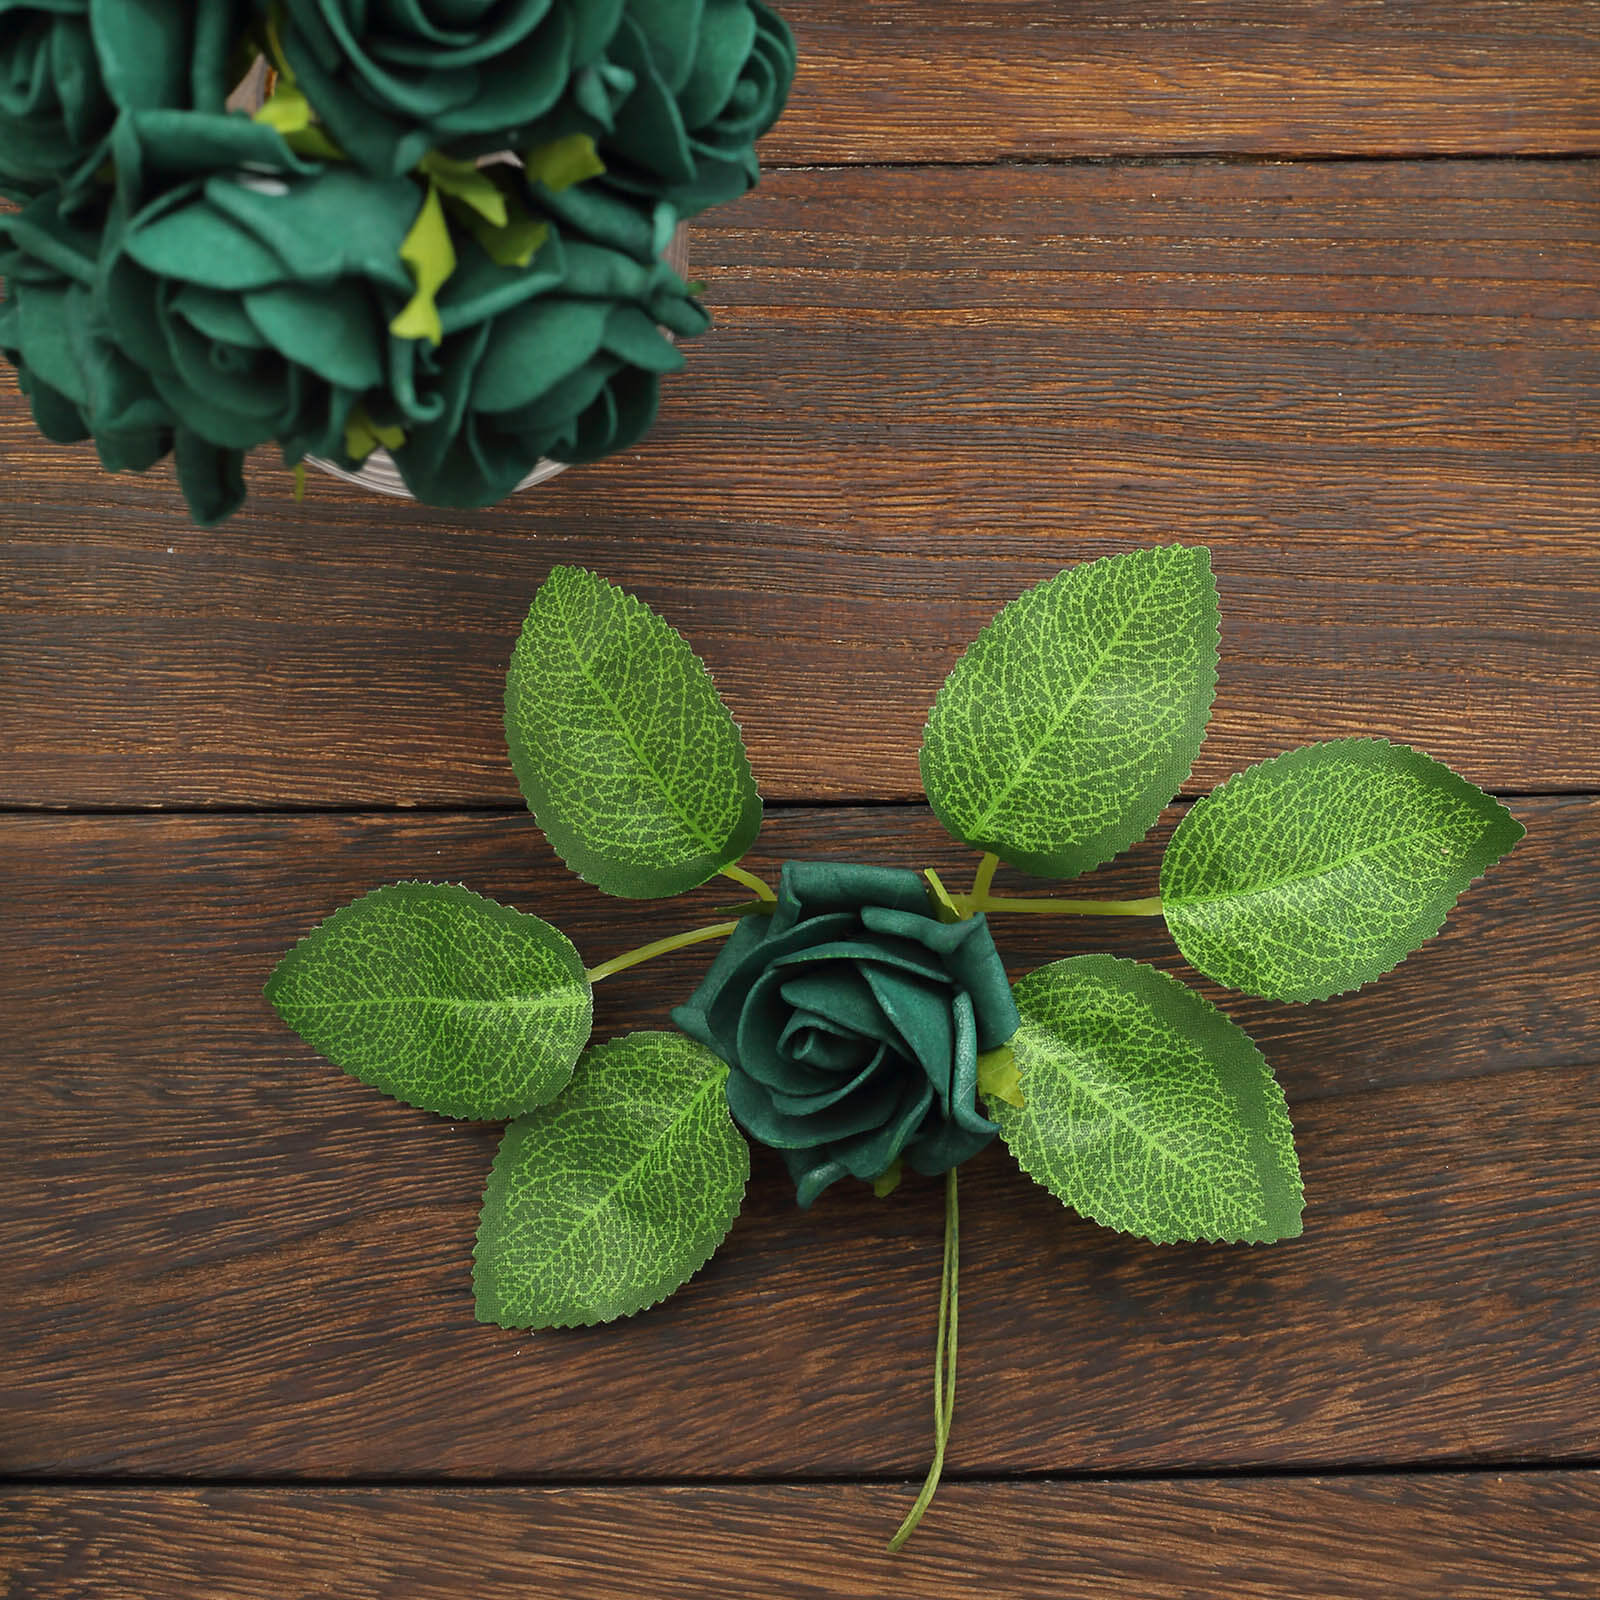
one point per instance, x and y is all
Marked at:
(450, 243)
(858, 1019)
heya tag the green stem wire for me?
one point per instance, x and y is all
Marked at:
(982, 880)
(661, 947)
(758, 886)
(1032, 905)
(944, 1364)
(1072, 908)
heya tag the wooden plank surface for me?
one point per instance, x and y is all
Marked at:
(1370, 388)
(987, 80)
(1479, 1536)
(230, 1260)
(1369, 385)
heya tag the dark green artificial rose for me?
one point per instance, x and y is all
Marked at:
(393, 80)
(711, 77)
(54, 108)
(255, 288)
(202, 283)
(561, 359)
(68, 66)
(851, 1020)
(78, 383)
(631, 223)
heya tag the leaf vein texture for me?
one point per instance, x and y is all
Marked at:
(1146, 1109)
(607, 1200)
(1078, 712)
(1322, 869)
(626, 754)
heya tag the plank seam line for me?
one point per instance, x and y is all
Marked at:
(1441, 1469)
(1188, 158)
(225, 812)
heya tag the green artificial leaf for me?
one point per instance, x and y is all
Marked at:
(428, 251)
(314, 144)
(999, 1077)
(1075, 716)
(1148, 1110)
(288, 110)
(628, 758)
(1320, 870)
(563, 162)
(440, 998)
(888, 1180)
(944, 908)
(606, 1201)
(362, 435)
(467, 182)
(516, 242)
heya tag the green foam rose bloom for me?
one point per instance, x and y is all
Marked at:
(54, 108)
(395, 80)
(78, 383)
(67, 67)
(711, 76)
(851, 1020)
(560, 359)
(254, 287)
(563, 361)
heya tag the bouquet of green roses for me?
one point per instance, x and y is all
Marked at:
(442, 233)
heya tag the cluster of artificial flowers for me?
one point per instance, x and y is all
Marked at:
(859, 1019)
(443, 233)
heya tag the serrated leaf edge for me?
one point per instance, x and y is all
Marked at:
(1215, 1010)
(1505, 815)
(298, 953)
(693, 1272)
(745, 768)
(1209, 682)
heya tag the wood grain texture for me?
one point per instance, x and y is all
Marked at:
(988, 80)
(225, 1258)
(1371, 389)
(1527, 1536)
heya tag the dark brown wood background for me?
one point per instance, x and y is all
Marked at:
(1029, 281)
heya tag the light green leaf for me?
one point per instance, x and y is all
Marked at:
(1148, 1110)
(606, 1201)
(627, 756)
(314, 144)
(288, 110)
(1074, 717)
(428, 251)
(515, 244)
(1320, 870)
(440, 998)
(563, 162)
(999, 1077)
(362, 435)
(467, 182)
(888, 1180)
